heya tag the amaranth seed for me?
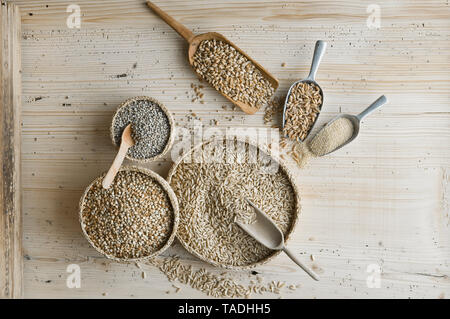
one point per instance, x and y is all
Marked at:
(150, 128)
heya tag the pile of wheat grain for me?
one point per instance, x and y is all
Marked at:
(212, 192)
(231, 73)
(134, 218)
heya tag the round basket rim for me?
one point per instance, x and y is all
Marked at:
(171, 125)
(296, 214)
(173, 201)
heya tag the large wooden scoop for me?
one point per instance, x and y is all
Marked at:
(194, 42)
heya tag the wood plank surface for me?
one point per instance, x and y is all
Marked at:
(382, 201)
(11, 256)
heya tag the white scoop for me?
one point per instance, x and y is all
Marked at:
(356, 119)
(267, 233)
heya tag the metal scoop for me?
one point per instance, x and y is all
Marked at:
(267, 233)
(356, 119)
(319, 51)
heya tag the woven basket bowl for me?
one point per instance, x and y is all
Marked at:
(171, 124)
(173, 201)
(296, 214)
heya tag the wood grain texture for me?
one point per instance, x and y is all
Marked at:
(382, 200)
(11, 257)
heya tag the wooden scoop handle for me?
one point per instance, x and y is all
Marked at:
(177, 26)
(112, 172)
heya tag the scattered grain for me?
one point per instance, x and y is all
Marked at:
(273, 108)
(218, 286)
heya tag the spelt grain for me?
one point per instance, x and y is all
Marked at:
(231, 73)
(211, 196)
(303, 107)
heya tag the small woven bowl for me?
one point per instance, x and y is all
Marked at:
(294, 222)
(171, 124)
(173, 201)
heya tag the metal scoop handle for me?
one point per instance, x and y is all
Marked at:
(379, 102)
(302, 266)
(319, 51)
(252, 230)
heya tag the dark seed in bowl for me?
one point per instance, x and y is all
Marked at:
(150, 128)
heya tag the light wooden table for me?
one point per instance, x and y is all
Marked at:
(383, 201)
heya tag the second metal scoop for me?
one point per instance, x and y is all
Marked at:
(356, 119)
(264, 231)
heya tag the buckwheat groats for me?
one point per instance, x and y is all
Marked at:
(135, 218)
(151, 126)
(212, 195)
(231, 73)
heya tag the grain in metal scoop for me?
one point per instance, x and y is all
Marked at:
(267, 233)
(304, 121)
(341, 130)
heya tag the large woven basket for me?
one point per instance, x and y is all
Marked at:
(171, 124)
(287, 235)
(173, 201)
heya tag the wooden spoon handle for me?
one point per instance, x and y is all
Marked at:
(112, 172)
(181, 29)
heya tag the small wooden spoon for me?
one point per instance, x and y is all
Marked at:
(125, 144)
(194, 42)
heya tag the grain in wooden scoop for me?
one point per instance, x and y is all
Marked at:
(231, 73)
(225, 66)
